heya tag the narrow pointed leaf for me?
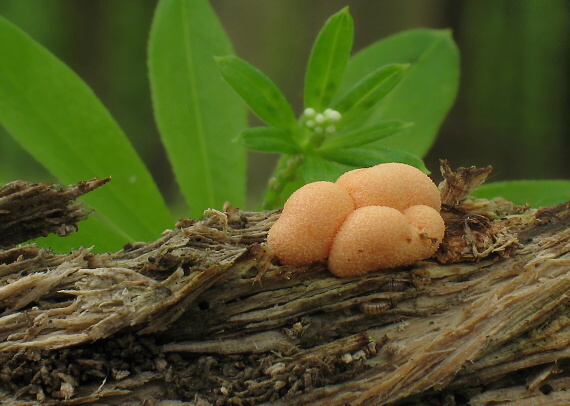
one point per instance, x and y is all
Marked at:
(58, 119)
(328, 60)
(316, 168)
(536, 193)
(197, 113)
(426, 92)
(261, 95)
(368, 92)
(364, 157)
(364, 136)
(268, 139)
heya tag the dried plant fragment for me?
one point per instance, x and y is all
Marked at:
(458, 185)
(472, 230)
(30, 210)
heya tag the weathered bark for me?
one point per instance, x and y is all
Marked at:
(204, 315)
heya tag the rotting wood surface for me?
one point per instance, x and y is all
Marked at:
(205, 316)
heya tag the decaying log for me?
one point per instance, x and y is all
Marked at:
(205, 316)
(30, 210)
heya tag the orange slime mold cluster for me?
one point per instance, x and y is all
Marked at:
(369, 219)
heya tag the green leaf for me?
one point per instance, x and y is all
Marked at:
(328, 60)
(426, 92)
(316, 168)
(368, 92)
(536, 193)
(364, 136)
(58, 119)
(93, 225)
(261, 95)
(268, 139)
(364, 157)
(197, 113)
(16, 163)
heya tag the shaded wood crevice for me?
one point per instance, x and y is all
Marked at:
(204, 315)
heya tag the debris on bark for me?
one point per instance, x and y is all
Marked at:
(205, 316)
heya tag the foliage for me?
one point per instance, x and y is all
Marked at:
(536, 193)
(196, 112)
(358, 111)
(60, 121)
(57, 118)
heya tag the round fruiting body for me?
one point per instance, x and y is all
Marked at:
(392, 184)
(380, 237)
(371, 238)
(309, 222)
(430, 229)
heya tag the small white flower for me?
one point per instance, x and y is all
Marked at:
(310, 123)
(318, 130)
(332, 115)
(309, 112)
(330, 129)
(319, 118)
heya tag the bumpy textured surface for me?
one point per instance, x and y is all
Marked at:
(392, 184)
(429, 229)
(396, 221)
(310, 219)
(371, 238)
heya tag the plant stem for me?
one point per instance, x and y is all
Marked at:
(284, 173)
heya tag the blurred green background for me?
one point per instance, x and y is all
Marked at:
(511, 112)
